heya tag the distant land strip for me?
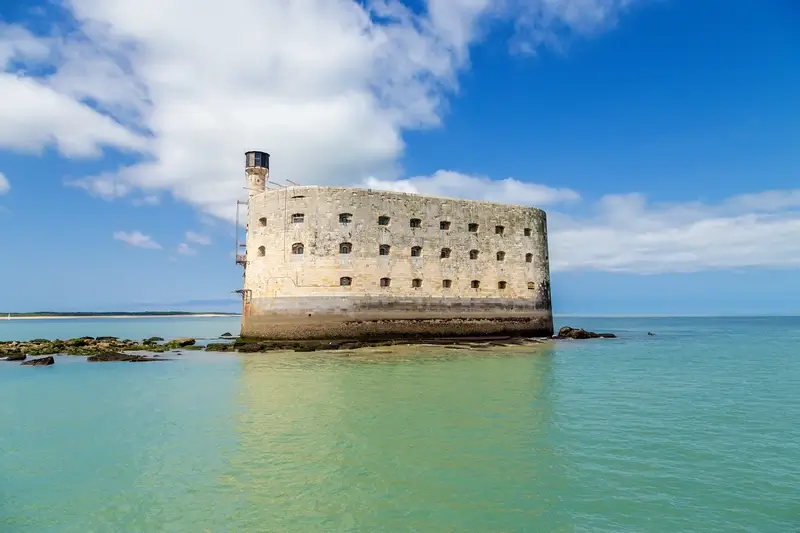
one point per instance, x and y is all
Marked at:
(91, 314)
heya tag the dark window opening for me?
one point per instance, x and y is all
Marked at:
(415, 223)
(475, 284)
(531, 285)
(416, 251)
(297, 248)
(527, 232)
(444, 225)
(345, 248)
(298, 217)
(473, 228)
(445, 253)
(416, 283)
(501, 285)
(385, 282)
(498, 230)
(473, 254)
(345, 218)
(262, 221)
(262, 251)
(345, 282)
(529, 258)
(383, 221)
(384, 249)
(501, 256)
(446, 283)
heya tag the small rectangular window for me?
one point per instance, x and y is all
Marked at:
(444, 225)
(416, 283)
(446, 283)
(498, 230)
(298, 218)
(383, 221)
(415, 223)
(473, 228)
(527, 232)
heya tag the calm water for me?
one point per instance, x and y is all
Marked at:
(696, 429)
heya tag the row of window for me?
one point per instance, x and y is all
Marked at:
(347, 218)
(416, 283)
(384, 249)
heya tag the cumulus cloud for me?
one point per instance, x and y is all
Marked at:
(5, 186)
(136, 239)
(328, 86)
(452, 184)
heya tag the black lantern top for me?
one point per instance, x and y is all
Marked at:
(256, 159)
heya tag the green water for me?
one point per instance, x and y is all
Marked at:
(696, 429)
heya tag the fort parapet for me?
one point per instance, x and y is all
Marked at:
(349, 263)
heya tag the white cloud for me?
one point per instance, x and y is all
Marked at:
(150, 199)
(456, 185)
(627, 234)
(105, 187)
(196, 238)
(328, 86)
(136, 239)
(185, 249)
(5, 186)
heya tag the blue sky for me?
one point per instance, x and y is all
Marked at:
(661, 136)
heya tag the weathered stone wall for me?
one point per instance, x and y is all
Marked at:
(291, 295)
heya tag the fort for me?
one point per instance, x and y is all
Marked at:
(348, 263)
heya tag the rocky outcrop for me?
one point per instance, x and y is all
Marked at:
(226, 335)
(41, 361)
(180, 343)
(14, 357)
(85, 346)
(115, 356)
(579, 333)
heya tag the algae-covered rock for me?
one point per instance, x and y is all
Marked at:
(579, 333)
(42, 361)
(181, 343)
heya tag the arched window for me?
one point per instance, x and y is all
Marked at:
(501, 285)
(529, 258)
(384, 249)
(473, 254)
(475, 284)
(416, 251)
(416, 283)
(498, 230)
(415, 223)
(473, 228)
(527, 232)
(501, 256)
(297, 248)
(531, 285)
(385, 282)
(262, 221)
(298, 217)
(262, 251)
(345, 218)
(445, 253)
(345, 282)
(345, 248)
(383, 221)
(447, 283)
(444, 225)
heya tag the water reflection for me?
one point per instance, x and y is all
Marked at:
(429, 441)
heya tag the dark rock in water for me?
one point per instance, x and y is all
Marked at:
(306, 348)
(180, 343)
(41, 361)
(579, 333)
(115, 356)
(651, 334)
(226, 334)
(152, 340)
(219, 347)
(14, 357)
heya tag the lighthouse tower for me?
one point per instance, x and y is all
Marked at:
(256, 166)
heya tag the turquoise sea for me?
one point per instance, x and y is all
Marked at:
(696, 429)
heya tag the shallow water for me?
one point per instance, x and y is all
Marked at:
(694, 429)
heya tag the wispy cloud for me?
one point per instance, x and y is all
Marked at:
(136, 239)
(5, 186)
(185, 249)
(196, 238)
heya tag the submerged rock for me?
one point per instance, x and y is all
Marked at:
(41, 361)
(115, 356)
(579, 333)
(226, 335)
(14, 357)
(180, 343)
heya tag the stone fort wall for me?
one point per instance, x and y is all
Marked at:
(332, 262)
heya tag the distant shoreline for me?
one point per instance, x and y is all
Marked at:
(67, 316)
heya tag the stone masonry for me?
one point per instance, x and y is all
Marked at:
(334, 262)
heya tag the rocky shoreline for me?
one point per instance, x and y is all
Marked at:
(106, 349)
